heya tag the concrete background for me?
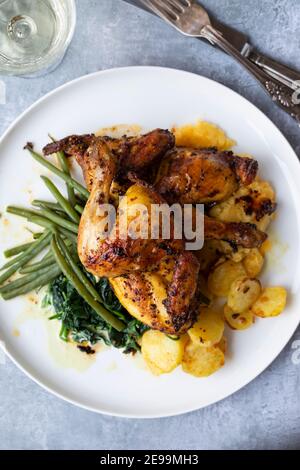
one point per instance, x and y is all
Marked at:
(266, 413)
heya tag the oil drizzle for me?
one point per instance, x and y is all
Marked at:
(65, 355)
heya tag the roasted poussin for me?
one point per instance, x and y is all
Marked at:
(155, 279)
(194, 176)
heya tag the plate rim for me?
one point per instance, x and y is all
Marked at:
(30, 374)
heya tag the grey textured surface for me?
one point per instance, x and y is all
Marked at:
(266, 413)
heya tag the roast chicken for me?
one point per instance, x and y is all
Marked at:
(155, 279)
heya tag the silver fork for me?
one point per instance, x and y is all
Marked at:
(188, 17)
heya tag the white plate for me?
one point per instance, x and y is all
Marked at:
(152, 97)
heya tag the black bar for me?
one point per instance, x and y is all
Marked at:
(134, 459)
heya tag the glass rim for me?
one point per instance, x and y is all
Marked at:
(50, 60)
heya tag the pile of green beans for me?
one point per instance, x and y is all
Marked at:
(60, 220)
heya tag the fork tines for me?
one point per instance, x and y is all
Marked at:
(167, 9)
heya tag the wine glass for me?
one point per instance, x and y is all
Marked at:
(34, 35)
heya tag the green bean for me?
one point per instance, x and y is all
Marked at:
(51, 226)
(69, 235)
(68, 179)
(65, 168)
(39, 282)
(47, 260)
(13, 261)
(85, 281)
(17, 250)
(37, 219)
(23, 280)
(79, 208)
(32, 268)
(58, 220)
(21, 212)
(56, 210)
(28, 255)
(46, 213)
(66, 206)
(48, 205)
(72, 277)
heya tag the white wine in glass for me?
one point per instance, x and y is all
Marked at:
(34, 34)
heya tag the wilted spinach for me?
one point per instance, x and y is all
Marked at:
(83, 324)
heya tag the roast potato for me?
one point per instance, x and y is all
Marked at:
(161, 353)
(223, 275)
(253, 262)
(238, 320)
(202, 362)
(270, 303)
(208, 329)
(243, 293)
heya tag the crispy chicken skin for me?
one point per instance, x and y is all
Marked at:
(203, 175)
(163, 299)
(116, 255)
(132, 153)
(182, 289)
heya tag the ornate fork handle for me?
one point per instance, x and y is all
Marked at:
(280, 94)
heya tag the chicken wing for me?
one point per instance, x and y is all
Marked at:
(133, 153)
(236, 233)
(203, 175)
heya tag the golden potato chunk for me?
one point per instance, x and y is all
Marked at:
(161, 353)
(238, 320)
(253, 262)
(202, 362)
(270, 303)
(223, 275)
(239, 254)
(208, 329)
(243, 293)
